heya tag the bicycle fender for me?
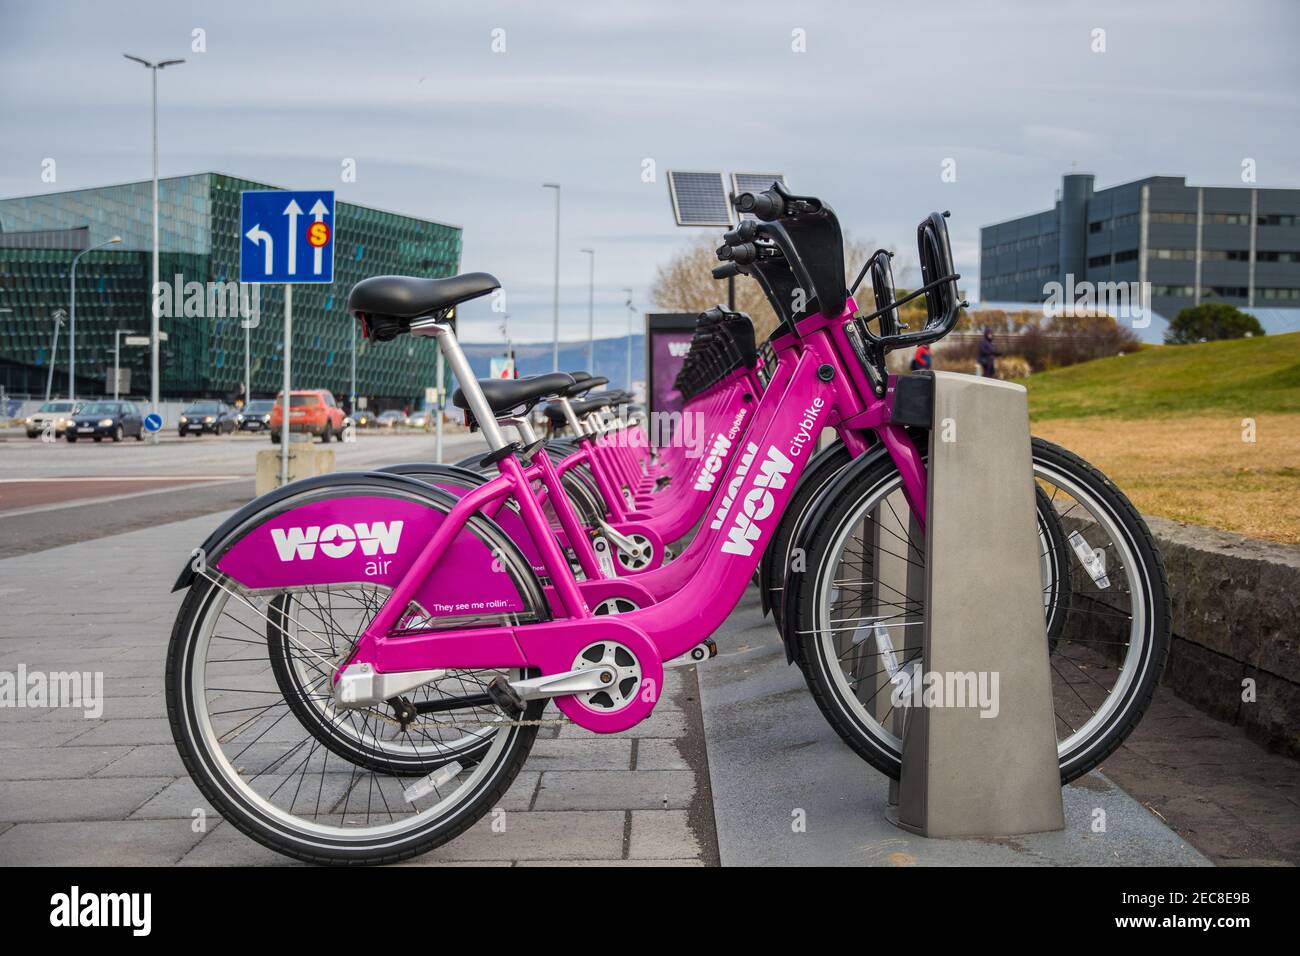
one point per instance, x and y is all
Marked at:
(269, 543)
(817, 513)
(768, 568)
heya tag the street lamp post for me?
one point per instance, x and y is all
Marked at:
(72, 320)
(555, 321)
(58, 317)
(631, 311)
(117, 358)
(591, 312)
(153, 288)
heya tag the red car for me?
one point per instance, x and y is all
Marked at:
(311, 410)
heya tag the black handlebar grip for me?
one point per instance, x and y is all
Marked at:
(726, 270)
(766, 206)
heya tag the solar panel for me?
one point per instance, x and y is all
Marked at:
(753, 183)
(699, 199)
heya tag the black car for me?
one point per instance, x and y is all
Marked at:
(256, 416)
(214, 417)
(100, 420)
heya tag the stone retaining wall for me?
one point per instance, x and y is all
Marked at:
(1236, 616)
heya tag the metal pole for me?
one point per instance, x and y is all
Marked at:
(591, 312)
(248, 375)
(555, 321)
(630, 312)
(437, 430)
(352, 401)
(153, 289)
(288, 347)
(117, 361)
(72, 335)
(54, 351)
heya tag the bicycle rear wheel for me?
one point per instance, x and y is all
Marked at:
(315, 783)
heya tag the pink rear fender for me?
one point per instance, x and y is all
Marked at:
(349, 529)
(456, 481)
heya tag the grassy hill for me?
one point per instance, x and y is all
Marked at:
(1207, 434)
(1241, 376)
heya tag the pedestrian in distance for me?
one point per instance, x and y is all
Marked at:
(988, 355)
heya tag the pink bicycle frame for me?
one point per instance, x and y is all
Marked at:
(816, 389)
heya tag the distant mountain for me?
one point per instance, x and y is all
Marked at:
(534, 358)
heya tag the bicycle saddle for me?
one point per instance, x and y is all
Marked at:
(503, 394)
(387, 304)
(584, 384)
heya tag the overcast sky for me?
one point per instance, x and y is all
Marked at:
(441, 126)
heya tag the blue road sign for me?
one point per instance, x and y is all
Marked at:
(286, 236)
(153, 422)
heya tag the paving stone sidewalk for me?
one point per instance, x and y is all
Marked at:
(112, 790)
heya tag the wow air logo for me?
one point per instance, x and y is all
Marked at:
(717, 456)
(339, 541)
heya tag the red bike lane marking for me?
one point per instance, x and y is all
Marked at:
(18, 493)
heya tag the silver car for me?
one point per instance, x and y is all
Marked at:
(56, 415)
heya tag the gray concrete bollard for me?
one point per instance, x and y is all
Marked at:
(965, 774)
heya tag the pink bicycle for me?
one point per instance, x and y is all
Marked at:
(361, 663)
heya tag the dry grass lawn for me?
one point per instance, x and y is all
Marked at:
(1197, 468)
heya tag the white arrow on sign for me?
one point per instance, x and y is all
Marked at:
(257, 235)
(293, 211)
(319, 212)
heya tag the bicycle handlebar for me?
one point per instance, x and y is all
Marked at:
(767, 206)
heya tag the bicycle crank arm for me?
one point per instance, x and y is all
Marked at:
(623, 543)
(585, 680)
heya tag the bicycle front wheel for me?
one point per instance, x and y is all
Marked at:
(1106, 601)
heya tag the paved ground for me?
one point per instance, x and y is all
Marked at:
(788, 791)
(112, 790)
(1185, 789)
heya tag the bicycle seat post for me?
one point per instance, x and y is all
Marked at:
(578, 430)
(455, 356)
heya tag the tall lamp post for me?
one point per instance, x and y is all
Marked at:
(72, 319)
(59, 316)
(591, 312)
(631, 311)
(153, 68)
(555, 308)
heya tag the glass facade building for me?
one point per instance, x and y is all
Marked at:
(199, 241)
(1192, 244)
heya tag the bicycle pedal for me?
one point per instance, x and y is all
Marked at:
(505, 696)
(701, 652)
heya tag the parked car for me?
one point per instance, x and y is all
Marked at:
(311, 410)
(58, 414)
(420, 419)
(255, 416)
(391, 419)
(100, 420)
(206, 416)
